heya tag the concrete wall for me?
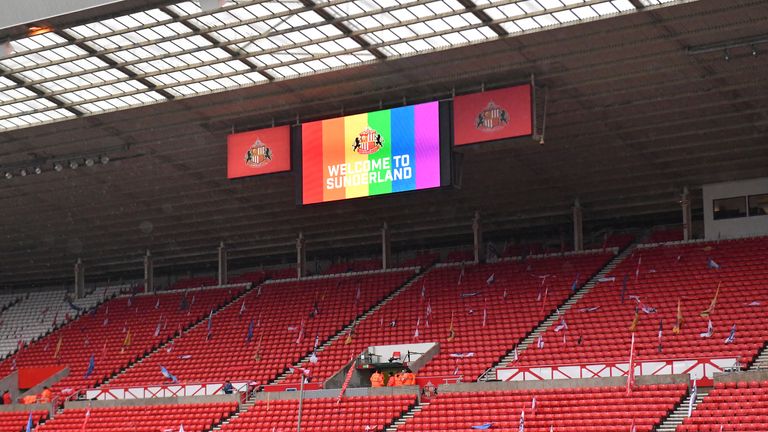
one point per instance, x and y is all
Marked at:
(332, 393)
(757, 375)
(154, 401)
(562, 383)
(11, 384)
(738, 227)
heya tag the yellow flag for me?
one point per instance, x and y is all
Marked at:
(633, 326)
(127, 340)
(58, 348)
(705, 313)
(679, 324)
(451, 333)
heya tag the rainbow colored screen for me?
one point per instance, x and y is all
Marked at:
(375, 153)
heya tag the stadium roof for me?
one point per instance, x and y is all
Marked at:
(639, 106)
(177, 50)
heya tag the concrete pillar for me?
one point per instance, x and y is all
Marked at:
(477, 231)
(301, 256)
(222, 264)
(578, 233)
(79, 279)
(386, 248)
(685, 205)
(149, 273)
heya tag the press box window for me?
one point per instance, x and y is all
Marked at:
(758, 205)
(729, 208)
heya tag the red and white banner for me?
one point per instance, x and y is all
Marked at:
(493, 115)
(173, 390)
(697, 368)
(258, 152)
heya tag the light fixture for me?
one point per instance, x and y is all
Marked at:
(727, 55)
(754, 51)
(35, 30)
(58, 167)
(73, 164)
(89, 162)
(23, 172)
(38, 170)
(104, 159)
(9, 175)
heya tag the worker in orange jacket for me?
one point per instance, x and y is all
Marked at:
(377, 379)
(409, 378)
(393, 380)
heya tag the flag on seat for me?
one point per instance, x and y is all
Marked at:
(661, 334)
(540, 342)
(624, 288)
(451, 333)
(711, 264)
(483, 426)
(521, 428)
(29, 423)
(633, 326)
(694, 392)
(210, 326)
(167, 374)
(562, 326)
(242, 307)
(491, 279)
(705, 313)
(416, 333)
(710, 330)
(157, 304)
(731, 337)
(631, 369)
(461, 274)
(249, 335)
(91, 366)
(181, 427)
(679, 322)
(575, 284)
(58, 348)
(87, 416)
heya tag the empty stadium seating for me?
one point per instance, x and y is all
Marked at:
(508, 320)
(741, 406)
(664, 235)
(278, 311)
(40, 312)
(422, 260)
(354, 266)
(105, 334)
(666, 274)
(194, 418)
(194, 282)
(602, 409)
(16, 421)
(320, 415)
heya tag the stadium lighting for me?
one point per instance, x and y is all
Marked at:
(89, 162)
(23, 172)
(58, 167)
(8, 175)
(38, 170)
(727, 55)
(73, 164)
(104, 159)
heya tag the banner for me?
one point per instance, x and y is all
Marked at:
(258, 152)
(492, 115)
(374, 153)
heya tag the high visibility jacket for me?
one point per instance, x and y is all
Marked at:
(377, 380)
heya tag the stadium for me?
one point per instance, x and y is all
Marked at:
(384, 215)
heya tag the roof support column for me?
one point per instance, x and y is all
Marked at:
(578, 221)
(477, 232)
(386, 248)
(149, 273)
(301, 256)
(685, 206)
(79, 279)
(222, 264)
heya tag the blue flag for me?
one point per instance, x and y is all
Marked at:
(731, 337)
(483, 426)
(712, 264)
(91, 366)
(249, 336)
(168, 375)
(210, 324)
(624, 287)
(575, 283)
(29, 423)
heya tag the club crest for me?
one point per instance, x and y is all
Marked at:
(492, 118)
(367, 142)
(258, 155)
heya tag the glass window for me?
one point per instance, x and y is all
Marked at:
(728, 208)
(758, 205)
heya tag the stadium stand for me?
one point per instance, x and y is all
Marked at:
(348, 414)
(284, 329)
(665, 235)
(193, 282)
(40, 312)
(686, 273)
(354, 266)
(731, 406)
(423, 260)
(602, 409)
(457, 256)
(13, 421)
(253, 278)
(193, 418)
(507, 321)
(116, 334)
